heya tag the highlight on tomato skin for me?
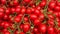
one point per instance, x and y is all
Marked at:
(29, 17)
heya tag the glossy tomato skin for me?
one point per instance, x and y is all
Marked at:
(17, 10)
(37, 12)
(22, 33)
(15, 3)
(3, 1)
(38, 7)
(56, 30)
(35, 30)
(33, 9)
(1, 14)
(33, 17)
(42, 28)
(42, 4)
(23, 10)
(41, 17)
(57, 8)
(5, 24)
(26, 19)
(5, 32)
(1, 9)
(51, 22)
(6, 17)
(17, 19)
(16, 32)
(29, 11)
(50, 16)
(26, 27)
(58, 24)
(52, 4)
(20, 15)
(36, 22)
(13, 10)
(8, 11)
(50, 30)
(27, 1)
(21, 26)
(58, 3)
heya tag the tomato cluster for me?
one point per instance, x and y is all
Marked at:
(29, 17)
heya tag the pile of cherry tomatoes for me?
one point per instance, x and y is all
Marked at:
(29, 17)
